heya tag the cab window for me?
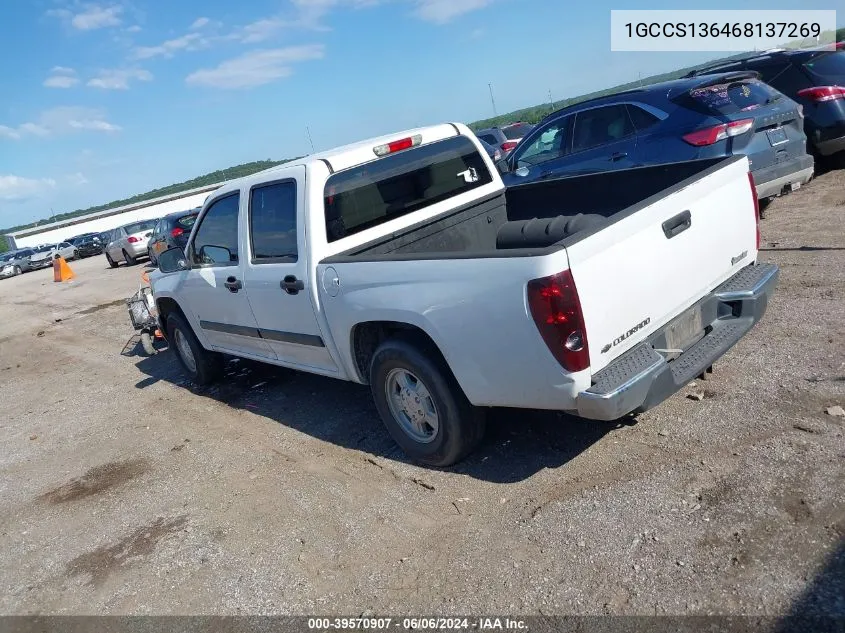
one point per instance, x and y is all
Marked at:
(216, 240)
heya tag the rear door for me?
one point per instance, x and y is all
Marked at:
(645, 269)
(276, 275)
(213, 289)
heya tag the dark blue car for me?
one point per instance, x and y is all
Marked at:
(686, 119)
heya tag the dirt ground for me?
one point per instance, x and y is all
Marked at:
(124, 489)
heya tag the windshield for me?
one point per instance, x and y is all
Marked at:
(44, 249)
(140, 227)
(6, 258)
(26, 253)
(829, 67)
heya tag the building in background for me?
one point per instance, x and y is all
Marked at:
(110, 218)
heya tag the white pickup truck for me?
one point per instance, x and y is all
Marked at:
(402, 262)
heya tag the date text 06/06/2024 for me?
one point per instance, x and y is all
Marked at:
(418, 624)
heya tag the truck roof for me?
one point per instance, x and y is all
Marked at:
(353, 154)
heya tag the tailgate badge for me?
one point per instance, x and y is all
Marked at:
(619, 339)
(739, 257)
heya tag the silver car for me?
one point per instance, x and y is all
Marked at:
(128, 243)
(15, 263)
(44, 255)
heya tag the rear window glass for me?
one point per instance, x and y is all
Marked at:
(729, 98)
(138, 227)
(379, 191)
(517, 131)
(830, 66)
(187, 221)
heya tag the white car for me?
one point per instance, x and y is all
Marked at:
(402, 262)
(129, 243)
(44, 255)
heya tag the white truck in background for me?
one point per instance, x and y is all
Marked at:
(402, 262)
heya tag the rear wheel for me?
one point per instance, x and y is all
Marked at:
(422, 405)
(202, 366)
(111, 262)
(130, 261)
(153, 260)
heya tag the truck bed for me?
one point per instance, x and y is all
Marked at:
(472, 231)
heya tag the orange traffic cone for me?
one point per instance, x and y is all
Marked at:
(61, 271)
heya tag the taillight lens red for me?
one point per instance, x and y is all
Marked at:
(176, 232)
(508, 145)
(756, 207)
(556, 311)
(710, 135)
(820, 94)
(133, 240)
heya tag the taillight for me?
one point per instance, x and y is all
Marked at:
(176, 232)
(133, 240)
(399, 145)
(710, 135)
(556, 311)
(756, 207)
(508, 145)
(820, 94)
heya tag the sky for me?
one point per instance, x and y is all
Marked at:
(104, 100)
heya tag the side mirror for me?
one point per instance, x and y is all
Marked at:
(216, 255)
(502, 166)
(522, 172)
(172, 260)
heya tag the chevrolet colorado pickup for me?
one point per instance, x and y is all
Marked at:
(404, 263)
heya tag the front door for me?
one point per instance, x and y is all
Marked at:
(603, 139)
(276, 273)
(213, 290)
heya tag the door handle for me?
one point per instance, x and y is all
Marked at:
(233, 284)
(618, 156)
(677, 224)
(291, 285)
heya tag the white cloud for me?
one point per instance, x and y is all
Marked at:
(261, 30)
(255, 68)
(187, 42)
(96, 16)
(118, 79)
(61, 77)
(9, 132)
(17, 188)
(443, 11)
(133, 29)
(61, 120)
(199, 23)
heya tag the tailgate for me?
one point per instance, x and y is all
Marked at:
(662, 256)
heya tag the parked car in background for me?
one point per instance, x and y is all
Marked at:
(673, 121)
(506, 137)
(172, 230)
(44, 255)
(813, 78)
(129, 242)
(16, 262)
(494, 153)
(89, 245)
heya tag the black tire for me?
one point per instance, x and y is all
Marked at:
(153, 260)
(130, 261)
(460, 425)
(17, 271)
(75, 255)
(111, 262)
(208, 365)
(147, 344)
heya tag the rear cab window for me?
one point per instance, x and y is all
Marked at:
(371, 194)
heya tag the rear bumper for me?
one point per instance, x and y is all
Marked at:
(642, 378)
(829, 147)
(138, 249)
(770, 181)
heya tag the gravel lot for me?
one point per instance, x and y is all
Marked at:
(125, 490)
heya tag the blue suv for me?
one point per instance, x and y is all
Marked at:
(685, 119)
